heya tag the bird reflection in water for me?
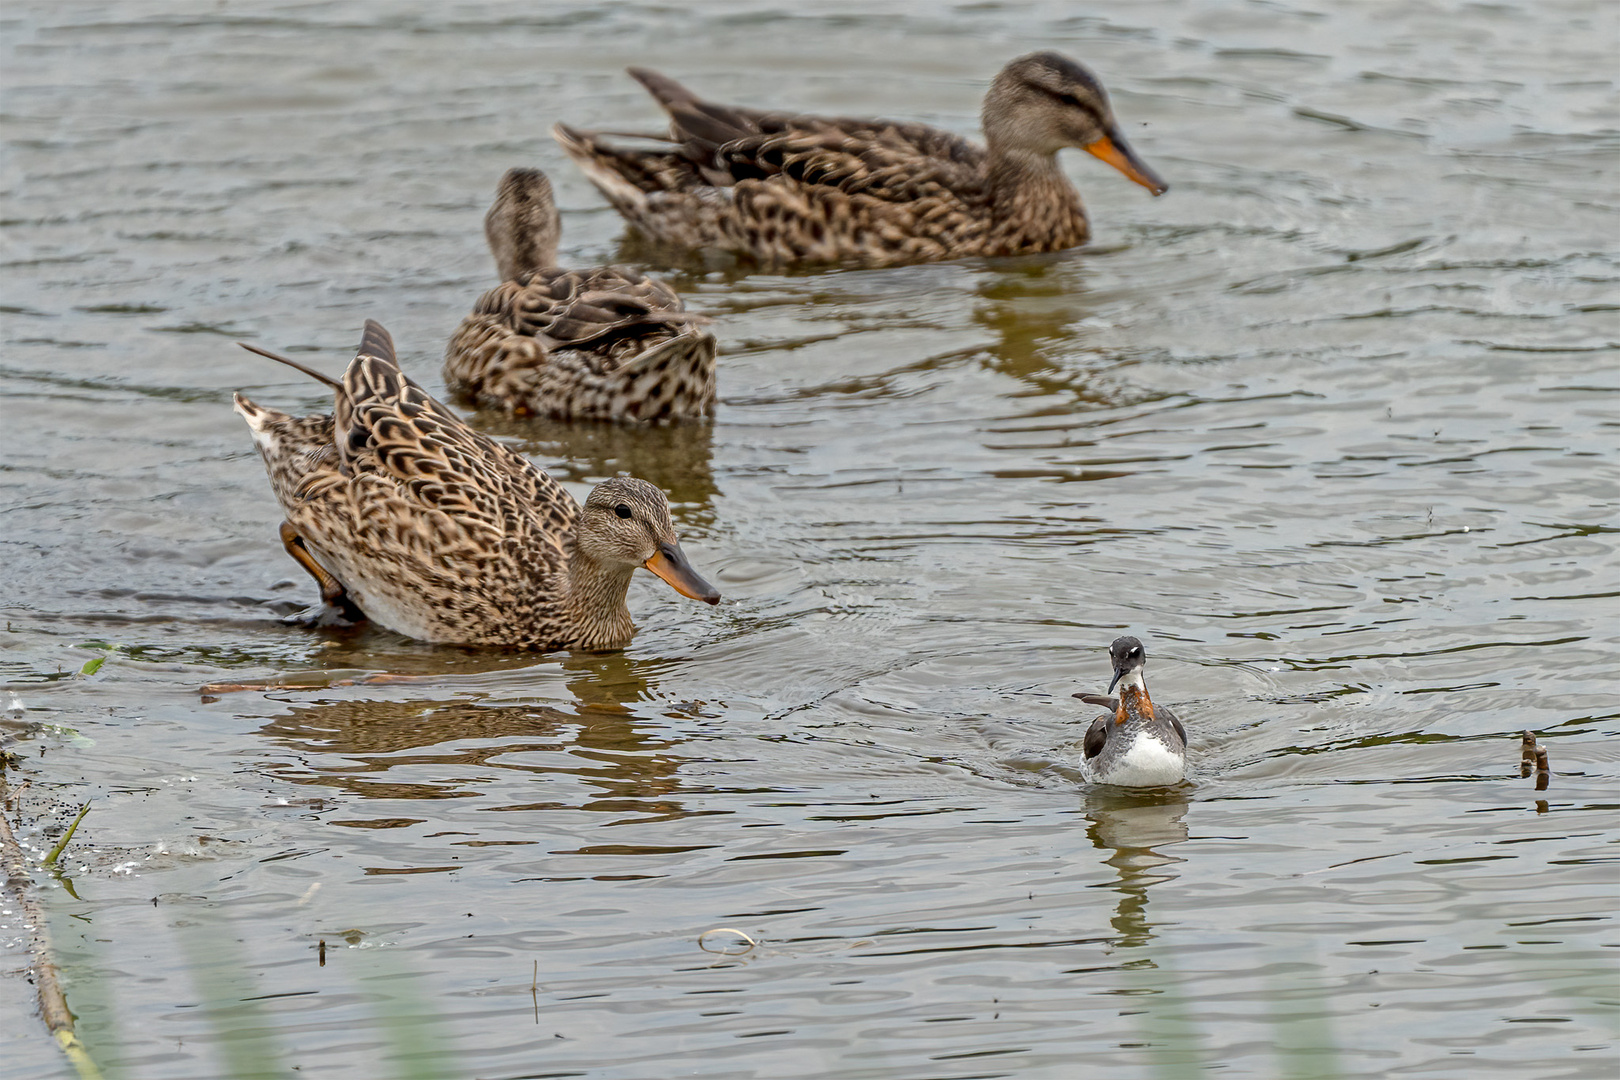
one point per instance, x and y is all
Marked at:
(1031, 307)
(1134, 828)
(362, 747)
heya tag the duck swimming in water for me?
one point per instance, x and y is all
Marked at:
(1137, 743)
(781, 187)
(405, 515)
(603, 343)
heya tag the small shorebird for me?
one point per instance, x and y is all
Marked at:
(1137, 743)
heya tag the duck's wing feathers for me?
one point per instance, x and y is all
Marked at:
(1112, 705)
(432, 469)
(724, 144)
(606, 317)
(1097, 736)
(590, 309)
(1175, 721)
(693, 120)
(894, 163)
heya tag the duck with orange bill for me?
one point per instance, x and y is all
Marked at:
(408, 517)
(783, 187)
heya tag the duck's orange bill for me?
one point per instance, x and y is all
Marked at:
(1118, 153)
(669, 563)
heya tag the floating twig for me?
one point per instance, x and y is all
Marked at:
(53, 1008)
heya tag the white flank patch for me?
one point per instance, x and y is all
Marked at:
(386, 610)
(1148, 763)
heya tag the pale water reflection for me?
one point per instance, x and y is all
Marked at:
(1135, 831)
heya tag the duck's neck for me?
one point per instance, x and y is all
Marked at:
(596, 607)
(519, 251)
(1033, 206)
(1134, 703)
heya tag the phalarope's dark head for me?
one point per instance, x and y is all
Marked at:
(1136, 744)
(1129, 659)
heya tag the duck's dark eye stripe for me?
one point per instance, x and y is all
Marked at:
(1071, 100)
(622, 510)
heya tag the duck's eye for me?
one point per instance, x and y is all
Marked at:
(622, 510)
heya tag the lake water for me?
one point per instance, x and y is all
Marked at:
(1331, 426)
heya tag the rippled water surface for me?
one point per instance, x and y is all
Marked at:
(1331, 426)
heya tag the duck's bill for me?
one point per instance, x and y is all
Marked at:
(1113, 149)
(669, 562)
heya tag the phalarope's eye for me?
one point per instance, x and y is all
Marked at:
(622, 510)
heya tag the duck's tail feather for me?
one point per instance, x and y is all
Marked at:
(377, 342)
(665, 90)
(609, 169)
(311, 372)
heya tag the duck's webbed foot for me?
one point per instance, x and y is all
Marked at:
(327, 615)
(335, 608)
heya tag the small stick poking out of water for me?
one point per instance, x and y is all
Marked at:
(56, 852)
(1531, 754)
(727, 947)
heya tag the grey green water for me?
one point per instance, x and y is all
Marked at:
(1332, 426)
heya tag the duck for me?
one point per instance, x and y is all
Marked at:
(1136, 743)
(406, 516)
(605, 343)
(784, 188)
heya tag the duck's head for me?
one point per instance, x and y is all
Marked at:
(1129, 658)
(522, 226)
(1044, 101)
(626, 523)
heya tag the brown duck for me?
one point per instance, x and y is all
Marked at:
(606, 343)
(783, 188)
(405, 515)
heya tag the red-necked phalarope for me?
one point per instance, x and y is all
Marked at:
(1137, 744)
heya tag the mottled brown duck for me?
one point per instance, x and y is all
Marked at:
(405, 515)
(784, 188)
(606, 343)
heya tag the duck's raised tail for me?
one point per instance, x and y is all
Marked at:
(377, 342)
(665, 90)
